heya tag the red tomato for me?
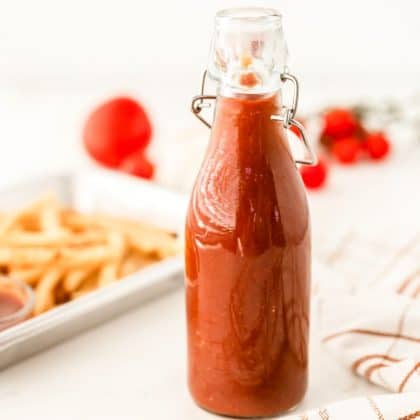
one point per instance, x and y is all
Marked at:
(377, 145)
(138, 165)
(314, 176)
(346, 150)
(339, 123)
(115, 130)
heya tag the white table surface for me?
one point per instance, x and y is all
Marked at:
(134, 366)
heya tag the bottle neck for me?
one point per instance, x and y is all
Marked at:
(227, 91)
(243, 124)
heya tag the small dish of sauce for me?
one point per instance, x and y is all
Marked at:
(16, 302)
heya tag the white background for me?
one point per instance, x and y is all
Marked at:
(59, 58)
(115, 44)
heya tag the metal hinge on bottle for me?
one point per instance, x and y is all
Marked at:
(287, 116)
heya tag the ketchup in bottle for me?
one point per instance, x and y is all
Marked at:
(248, 234)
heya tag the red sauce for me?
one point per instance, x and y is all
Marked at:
(10, 303)
(248, 267)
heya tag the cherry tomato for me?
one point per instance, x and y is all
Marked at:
(314, 176)
(115, 130)
(339, 123)
(346, 150)
(137, 164)
(377, 145)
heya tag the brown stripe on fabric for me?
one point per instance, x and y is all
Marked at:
(369, 371)
(411, 416)
(373, 333)
(375, 408)
(324, 414)
(400, 327)
(363, 359)
(408, 376)
(408, 280)
(403, 317)
(304, 417)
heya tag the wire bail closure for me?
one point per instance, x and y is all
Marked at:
(287, 117)
(198, 104)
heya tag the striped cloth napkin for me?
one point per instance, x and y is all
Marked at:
(367, 298)
(384, 407)
(367, 301)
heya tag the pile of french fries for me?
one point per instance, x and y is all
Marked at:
(64, 254)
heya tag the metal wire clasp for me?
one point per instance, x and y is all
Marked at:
(198, 103)
(287, 117)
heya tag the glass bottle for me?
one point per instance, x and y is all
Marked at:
(248, 231)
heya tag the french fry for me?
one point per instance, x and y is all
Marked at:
(146, 238)
(61, 295)
(44, 291)
(20, 238)
(159, 246)
(50, 217)
(64, 254)
(28, 275)
(107, 274)
(29, 222)
(7, 222)
(116, 242)
(89, 285)
(89, 237)
(55, 238)
(74, 278)
(30, 212)
(133, 263)
(76, 221)
(79, 257)
(26, 256)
